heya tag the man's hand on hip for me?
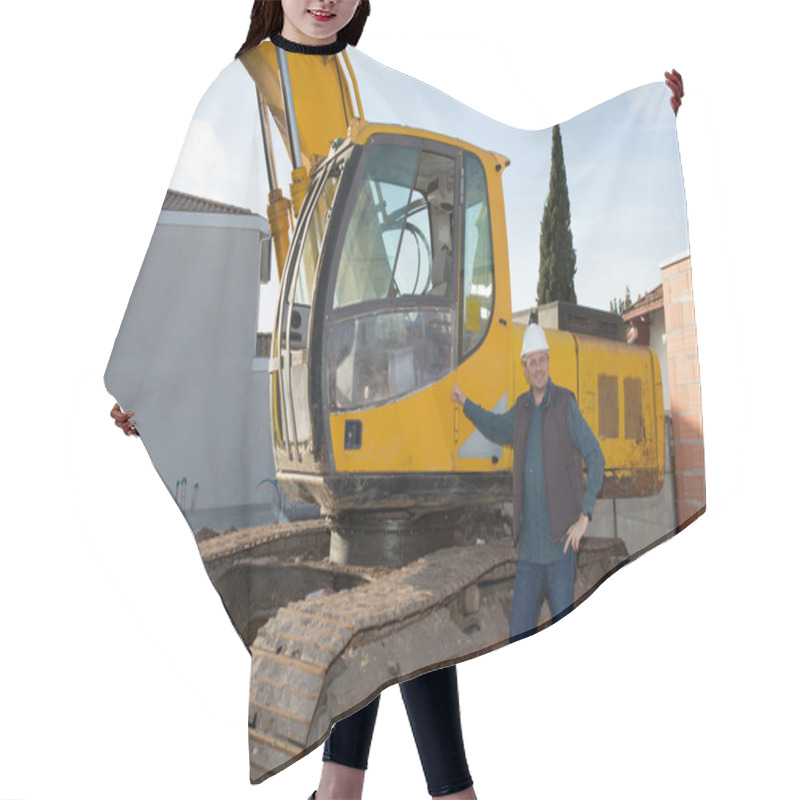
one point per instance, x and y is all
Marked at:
(575, 533)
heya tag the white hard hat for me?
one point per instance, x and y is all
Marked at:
(533, 340)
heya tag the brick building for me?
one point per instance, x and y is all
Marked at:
(664, 320)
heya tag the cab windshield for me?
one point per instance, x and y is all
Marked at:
(393, 299)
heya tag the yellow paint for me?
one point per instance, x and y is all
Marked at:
(278, 216)
(411, 434)
(323, 106)
(299, 189)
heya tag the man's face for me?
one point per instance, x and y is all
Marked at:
(537, 369)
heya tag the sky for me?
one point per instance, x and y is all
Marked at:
(121, 674)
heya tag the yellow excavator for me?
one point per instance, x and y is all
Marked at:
(397, 285)
(394, 286)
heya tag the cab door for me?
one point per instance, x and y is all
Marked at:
(484, 316)
(292, 404)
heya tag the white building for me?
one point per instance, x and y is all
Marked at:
(200, 395)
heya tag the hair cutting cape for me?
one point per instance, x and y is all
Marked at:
(425, 247)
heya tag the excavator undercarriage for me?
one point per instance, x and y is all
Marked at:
(326, 637)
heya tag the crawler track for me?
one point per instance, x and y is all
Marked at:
(325, 638)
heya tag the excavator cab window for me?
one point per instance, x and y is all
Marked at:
(477, 277)
(399, 237)
(304, 272)
(291, 411)
(391, 328)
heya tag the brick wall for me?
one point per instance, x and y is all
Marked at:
(684, 387)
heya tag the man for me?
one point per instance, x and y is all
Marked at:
(552, 509)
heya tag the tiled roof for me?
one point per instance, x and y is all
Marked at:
(652, 301)
(180, 201)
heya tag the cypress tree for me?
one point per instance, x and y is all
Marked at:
(556, 254)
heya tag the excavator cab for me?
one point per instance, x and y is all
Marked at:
(390, 285)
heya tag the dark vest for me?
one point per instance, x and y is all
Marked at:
(563, 471)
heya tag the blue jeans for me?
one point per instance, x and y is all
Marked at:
(530, 586)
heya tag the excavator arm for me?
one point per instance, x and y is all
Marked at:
(313, 102)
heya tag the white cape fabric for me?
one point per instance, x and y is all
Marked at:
(192, 360)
